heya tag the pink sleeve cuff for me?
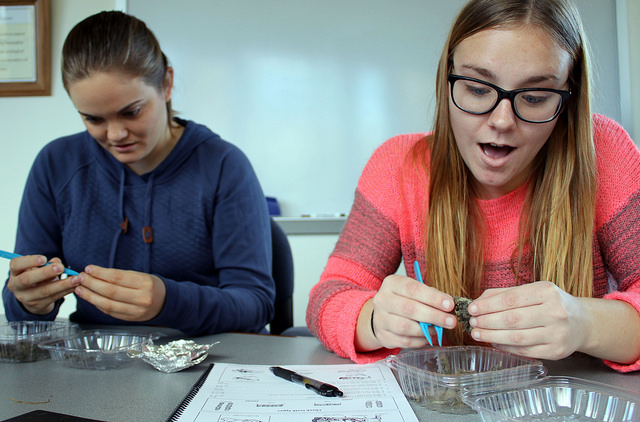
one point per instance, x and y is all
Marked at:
(633, 299)
(344, 344)
(349, 337)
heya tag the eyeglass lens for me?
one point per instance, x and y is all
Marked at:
(478, 98)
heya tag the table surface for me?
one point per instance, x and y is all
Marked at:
(138, 392)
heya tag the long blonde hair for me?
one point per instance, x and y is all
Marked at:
(556, 225)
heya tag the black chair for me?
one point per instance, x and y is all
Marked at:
(282, 272)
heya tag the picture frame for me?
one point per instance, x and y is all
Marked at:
(25, 48)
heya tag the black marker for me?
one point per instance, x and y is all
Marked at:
(321, 388)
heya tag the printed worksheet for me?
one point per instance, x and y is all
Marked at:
(252, 393)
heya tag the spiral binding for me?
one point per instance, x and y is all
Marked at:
(184, 404)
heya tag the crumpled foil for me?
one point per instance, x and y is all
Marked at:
(174, 356)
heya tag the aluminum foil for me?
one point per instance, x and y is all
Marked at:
(174, 356)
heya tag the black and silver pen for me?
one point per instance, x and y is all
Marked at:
(321, 388)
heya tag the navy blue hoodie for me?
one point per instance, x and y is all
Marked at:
(206, 217)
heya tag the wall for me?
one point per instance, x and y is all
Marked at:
(308, 89)
(310, 255)
(347, 102)
(308, 92)
(28, 123)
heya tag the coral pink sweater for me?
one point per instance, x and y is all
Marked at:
(386, 226)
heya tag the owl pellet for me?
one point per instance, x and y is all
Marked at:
(460, 308)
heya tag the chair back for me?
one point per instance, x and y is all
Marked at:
(282, 272)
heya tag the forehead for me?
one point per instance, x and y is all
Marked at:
(105, 92)
(512, 54)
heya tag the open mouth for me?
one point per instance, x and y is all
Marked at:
(496, 151)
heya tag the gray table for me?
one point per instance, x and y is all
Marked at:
(137, 392)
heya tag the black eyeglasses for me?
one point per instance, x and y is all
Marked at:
(533, 105)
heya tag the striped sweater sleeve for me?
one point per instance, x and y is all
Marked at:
(368, 249)
(618, 214)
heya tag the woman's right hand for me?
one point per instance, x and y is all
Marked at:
(37, 286)
(398, 307)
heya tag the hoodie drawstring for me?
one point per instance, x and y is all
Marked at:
(124, 225)
(147, 232)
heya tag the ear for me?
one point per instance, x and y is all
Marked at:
(168, 84)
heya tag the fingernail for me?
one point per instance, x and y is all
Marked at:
(88, 269)
(446, 303)
(473, 321)
(475, 334)
(75, 281)
(449, 321)
(473, 308)
(58, 268)
(78, 291)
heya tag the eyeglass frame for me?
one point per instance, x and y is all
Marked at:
(510, 95)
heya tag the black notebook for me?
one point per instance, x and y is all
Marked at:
(47, 416)
(192, 393)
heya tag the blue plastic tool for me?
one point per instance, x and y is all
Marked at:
(11, 255)
(424, 325)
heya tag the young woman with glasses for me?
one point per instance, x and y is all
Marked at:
(519, 199)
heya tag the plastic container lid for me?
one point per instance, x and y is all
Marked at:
(434, 377)
(557, 399)
(95, 349)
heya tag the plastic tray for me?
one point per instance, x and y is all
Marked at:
(434, 377)
(19, 339)
(557, 399)
(95, 349)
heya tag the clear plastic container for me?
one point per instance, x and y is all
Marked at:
(557, 399)
(95, 349)
(434, 377)
(19, 339)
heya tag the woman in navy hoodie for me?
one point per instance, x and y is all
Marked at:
(165, 220)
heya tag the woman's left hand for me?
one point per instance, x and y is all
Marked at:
(126, 295)
(538, 320)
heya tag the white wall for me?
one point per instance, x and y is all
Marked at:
(27, 123)
(309, 92)
(310, 255)
(308, 89)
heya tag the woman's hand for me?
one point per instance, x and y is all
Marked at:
(538, 320)
(37, 286)
(126, 295)
(542, 321)
(399, 306)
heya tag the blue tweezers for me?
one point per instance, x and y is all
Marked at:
(11, 255)
(424, 325)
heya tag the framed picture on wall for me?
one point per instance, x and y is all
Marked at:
(25, 48)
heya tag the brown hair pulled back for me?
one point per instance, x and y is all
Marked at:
(114, 41)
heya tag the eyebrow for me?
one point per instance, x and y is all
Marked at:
(530, 80)
(125, 108)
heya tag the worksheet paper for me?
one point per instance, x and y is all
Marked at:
(233, 393)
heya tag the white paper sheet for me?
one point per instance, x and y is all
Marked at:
(241, 393)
